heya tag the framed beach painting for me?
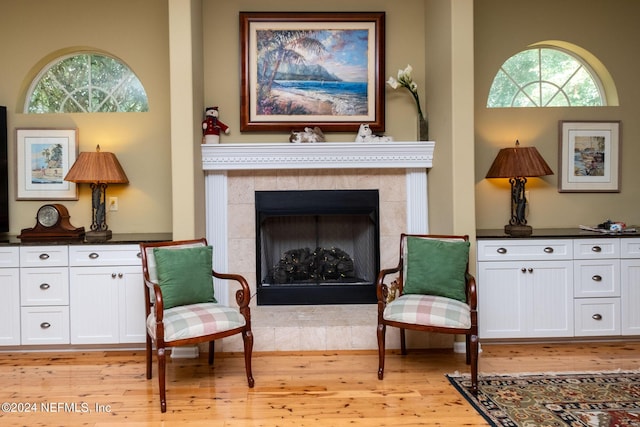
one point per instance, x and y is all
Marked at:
(304, 69)
(589, 156)
(44, 156)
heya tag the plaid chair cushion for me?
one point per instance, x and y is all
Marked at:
(429, 310)
(195, 320)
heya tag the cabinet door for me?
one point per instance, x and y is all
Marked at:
(525, 299)
(630, 293)
(550, 299)
(93, 297)
(9, 306)
(501, 287)
(131, 293)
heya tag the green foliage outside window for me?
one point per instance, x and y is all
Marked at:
(86, 83)
(544, 77)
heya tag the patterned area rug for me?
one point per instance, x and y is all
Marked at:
(585, 399)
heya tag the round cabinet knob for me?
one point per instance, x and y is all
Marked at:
(120, 275)
(548, 250)
(597, 317)
(94, 255)
(501, 251)
(44, 256)
(45, 325)
(530, 270)
(597, 278)
(45, 286)
(596, 249)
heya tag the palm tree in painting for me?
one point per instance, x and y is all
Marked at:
(282, 47)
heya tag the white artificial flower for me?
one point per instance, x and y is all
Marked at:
(405, 80)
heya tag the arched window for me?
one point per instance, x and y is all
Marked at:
(86, 83)
(550, 76)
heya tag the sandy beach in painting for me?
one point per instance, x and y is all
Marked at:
(313, 105)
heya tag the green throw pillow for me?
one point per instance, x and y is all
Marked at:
(436, 267)
(184, 275)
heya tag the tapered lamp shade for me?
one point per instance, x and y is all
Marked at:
(517, 163)
(98, 169)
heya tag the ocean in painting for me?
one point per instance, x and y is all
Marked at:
(346, 98)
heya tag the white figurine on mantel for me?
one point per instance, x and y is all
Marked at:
(365, 134)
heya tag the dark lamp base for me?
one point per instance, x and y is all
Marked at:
(518, 230)
(98, 236)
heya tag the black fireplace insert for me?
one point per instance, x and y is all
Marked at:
(317, 246)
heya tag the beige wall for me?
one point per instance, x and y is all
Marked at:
(610, 31)
(135, 33)
(159, 149)
(434, 36)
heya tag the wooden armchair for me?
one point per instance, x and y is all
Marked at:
(435, 293)
(182, 309)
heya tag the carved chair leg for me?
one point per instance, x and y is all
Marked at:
(161, 379)
(474, 349)
(149, 356)
(403, 342)
(382, 328)
(212, 347)
(467, 340)
(247, 337)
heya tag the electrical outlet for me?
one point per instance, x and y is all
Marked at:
(113, 204)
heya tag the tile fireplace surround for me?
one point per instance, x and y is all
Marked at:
(233, 172)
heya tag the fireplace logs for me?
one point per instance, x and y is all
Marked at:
(321, 265)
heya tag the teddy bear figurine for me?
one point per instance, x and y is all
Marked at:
(211, 126)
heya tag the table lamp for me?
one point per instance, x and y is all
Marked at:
(98, 169)
(517, 163)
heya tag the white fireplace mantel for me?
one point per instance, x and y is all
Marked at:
(217, 159)
(327, 155)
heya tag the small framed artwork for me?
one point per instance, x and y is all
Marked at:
(307, 69)
(44, 156)
(589, 156)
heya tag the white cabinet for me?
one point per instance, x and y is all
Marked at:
(106, 294)
(525, 288)
(630, 286)
(538, 288)
(44, 295)
(597, 286)
(10, 291)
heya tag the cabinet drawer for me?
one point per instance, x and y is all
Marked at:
(630, 248)
(44, 286)
(9, 257)
(45, 325)
(596, 248)
(104, 255)
(525, 250)
(44, 256)
(597, 316)
(594, 278)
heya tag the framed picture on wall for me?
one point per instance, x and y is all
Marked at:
(589, 156)
(44, 156)
(302, 69)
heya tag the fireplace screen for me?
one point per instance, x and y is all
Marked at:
(317, 247)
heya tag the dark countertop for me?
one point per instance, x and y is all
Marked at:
(552, 233)
(117, 239)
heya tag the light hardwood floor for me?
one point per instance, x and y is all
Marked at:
(292, 389)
